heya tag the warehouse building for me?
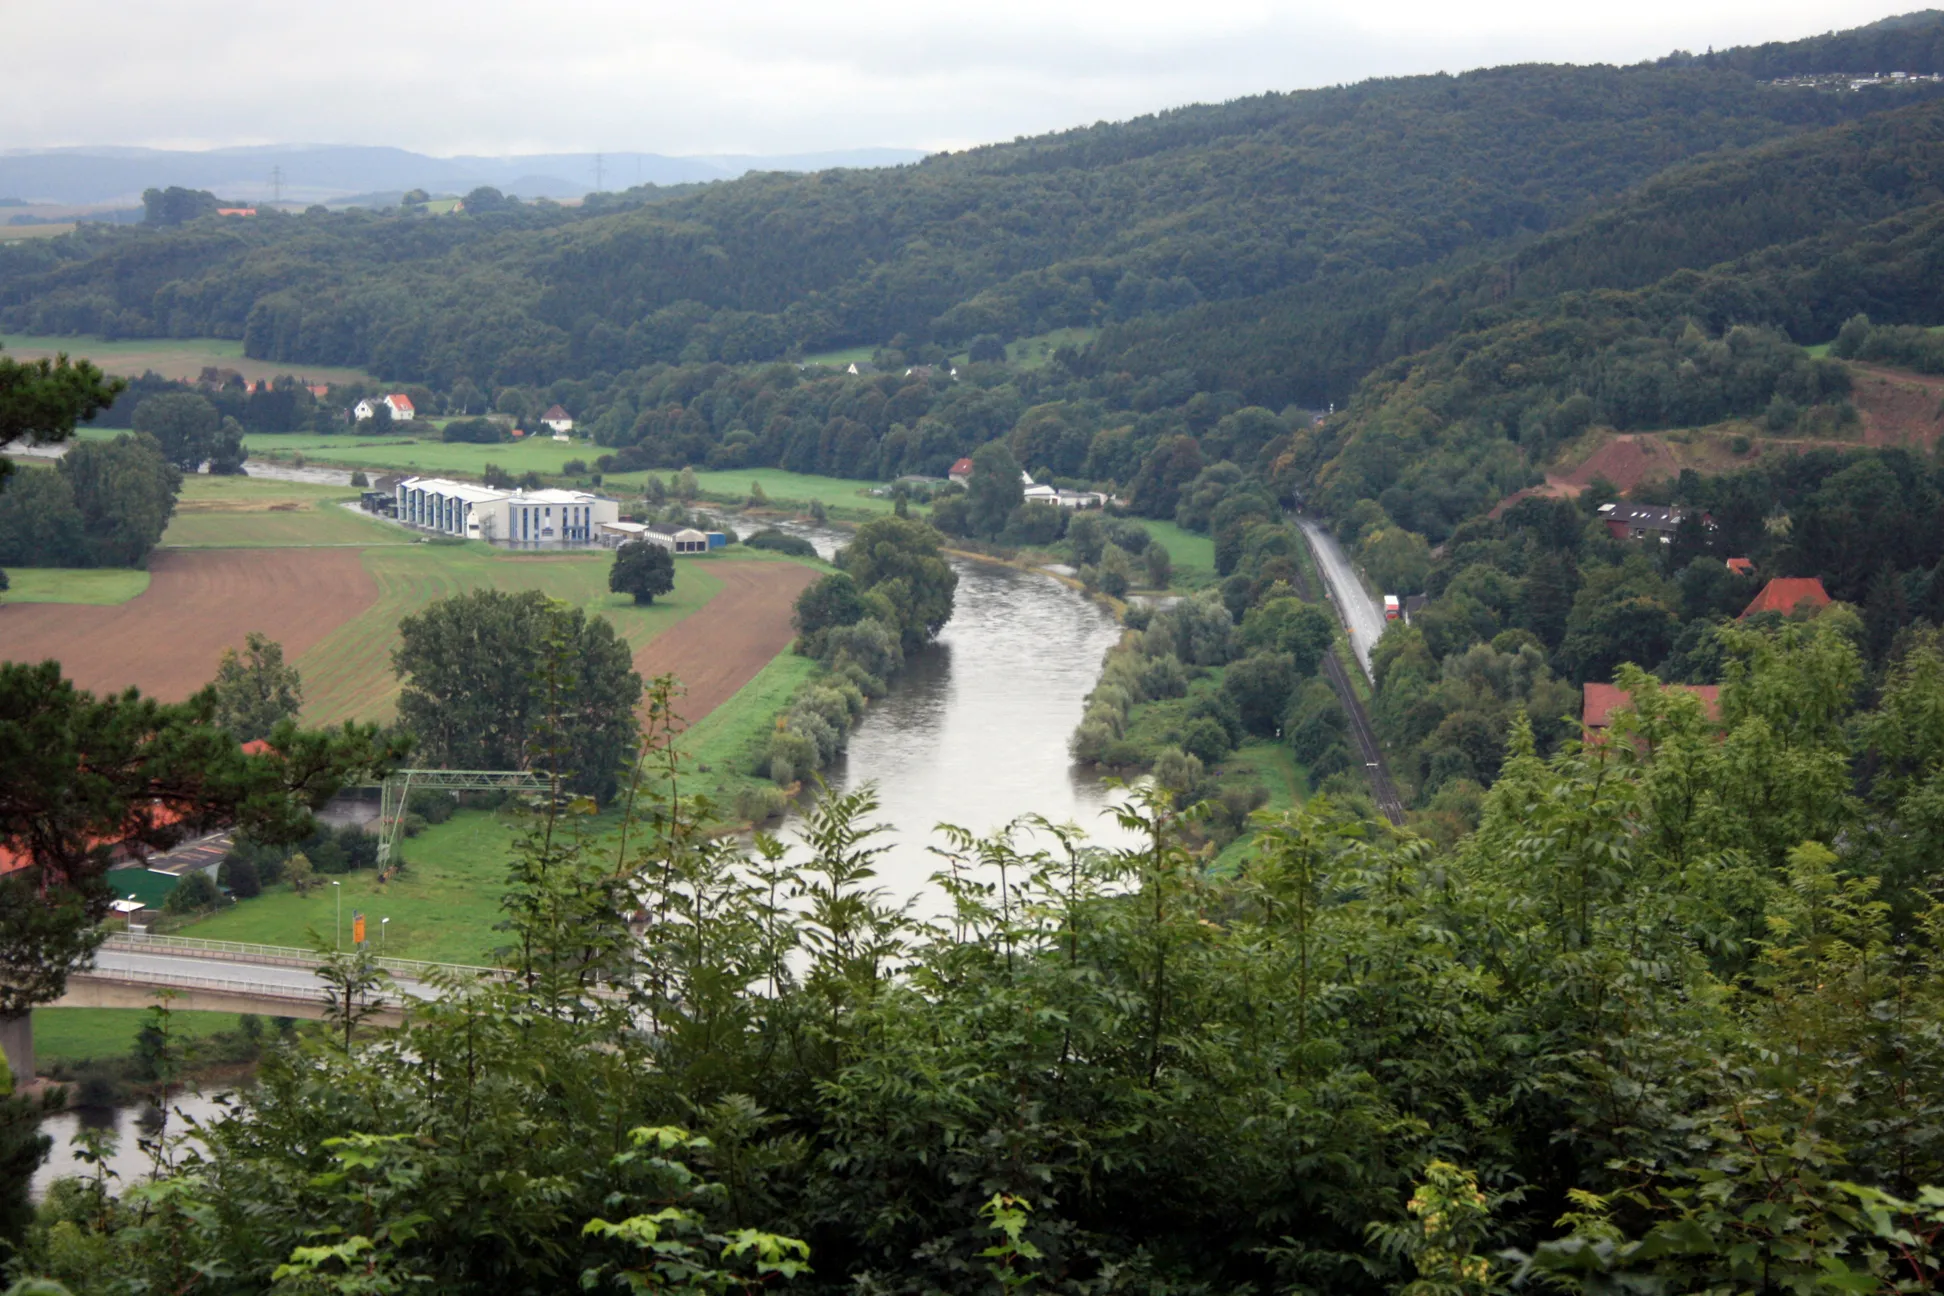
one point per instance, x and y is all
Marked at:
(516, 517)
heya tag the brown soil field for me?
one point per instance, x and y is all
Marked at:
(1898, 407)
(719, 649)
(167, 640)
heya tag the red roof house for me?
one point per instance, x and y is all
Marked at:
(1742, 566)
(1602, 700)
(1785, 594)
(961, 471)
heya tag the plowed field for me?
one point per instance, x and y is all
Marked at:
(168, 639)
(717, 650)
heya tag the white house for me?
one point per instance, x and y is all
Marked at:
(398, 403)
(542, 517)
(560, 421)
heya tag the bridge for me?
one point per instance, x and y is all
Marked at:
(223, 976)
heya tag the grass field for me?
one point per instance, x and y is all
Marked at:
(179, 358)
(348, 675)
(84, 1034)
(98, 585)
(442, 906)
(15, 233)
(787, 488)
(423, 453)
(1190, 553)
(276, 525)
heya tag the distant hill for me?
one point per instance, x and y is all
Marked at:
(321, 173)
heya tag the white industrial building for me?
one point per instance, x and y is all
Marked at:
(548, 517)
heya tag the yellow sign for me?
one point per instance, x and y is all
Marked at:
(357, 929)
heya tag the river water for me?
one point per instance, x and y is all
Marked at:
(974, 730)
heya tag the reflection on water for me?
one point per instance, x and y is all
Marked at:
(974, 731)
(130, 1126)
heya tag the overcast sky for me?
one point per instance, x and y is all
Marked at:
(763, 76)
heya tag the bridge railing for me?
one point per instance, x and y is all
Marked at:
(182, 980)
(282, 955)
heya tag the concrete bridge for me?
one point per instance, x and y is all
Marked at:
(221, 976)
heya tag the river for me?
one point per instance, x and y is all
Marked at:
(974, 730)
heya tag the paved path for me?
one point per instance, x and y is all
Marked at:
(1362, 617)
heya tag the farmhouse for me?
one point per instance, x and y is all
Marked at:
(1642, 521)
(561, 517)
(960, 472)
(398, 403)
(559, 420)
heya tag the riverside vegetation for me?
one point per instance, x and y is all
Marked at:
(1667, 1020)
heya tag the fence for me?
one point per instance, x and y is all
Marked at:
(282, 955)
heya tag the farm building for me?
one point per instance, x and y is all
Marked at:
(1789, 595)
(559, 420)
(546, 517)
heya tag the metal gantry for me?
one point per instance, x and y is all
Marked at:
(397, 789)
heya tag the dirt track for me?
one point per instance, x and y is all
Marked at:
(719, 649)
(167, 640)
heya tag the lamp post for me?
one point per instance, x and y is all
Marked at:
(381, 936)
(337, 933)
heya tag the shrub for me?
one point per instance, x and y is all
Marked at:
(1163, 677)
(359, 479)
(239, 873)
(433, 806)
(782, 542)
(757, 804)
(192, 895)
(1206, 740)
(1179, 772)
(574, 468)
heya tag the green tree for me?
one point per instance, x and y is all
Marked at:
(167, 208)
(42, 400)
(1398, 560)
(125, 491)
(472, 687)
(898, 561)
(642, 569)
(255, 690)
(186, 426)
(1302, 630)
(1261, 685)
(832, 601)
(994, 491)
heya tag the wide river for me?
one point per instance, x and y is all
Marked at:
(974, 730)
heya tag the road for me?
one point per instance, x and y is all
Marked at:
(1362, 617)
(1382, 790)
(241, 969)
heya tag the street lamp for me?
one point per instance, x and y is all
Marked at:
(381, 936)
(337, 934)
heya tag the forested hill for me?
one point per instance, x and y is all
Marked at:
(1302, 208)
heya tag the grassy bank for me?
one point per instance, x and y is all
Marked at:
(75, 1035)
(442, 906)
(725, 745)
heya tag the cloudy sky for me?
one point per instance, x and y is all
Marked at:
(763, 76)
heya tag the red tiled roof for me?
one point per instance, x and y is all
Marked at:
(1602, 700)
(1786, 593)
(400, 400)
(962, 466)
(555, 413)
(1741, 566)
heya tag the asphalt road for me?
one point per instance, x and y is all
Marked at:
(1362, 617)
(239, 974)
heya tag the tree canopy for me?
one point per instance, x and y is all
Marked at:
(642, 569)
(500, 681)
